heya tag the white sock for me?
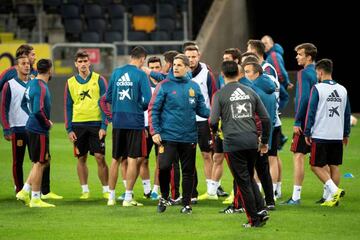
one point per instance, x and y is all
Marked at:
(26, 187)
(331, 186)
(214, 185)
(147, 186)
(128, 195)
(278, 188)
(208, 184)
(124, 182)
(155, 188)
(105, 188)
(274, 188)
(259, 186)
(112, 194)
(35, 195)
(85, 188)
(296, 193)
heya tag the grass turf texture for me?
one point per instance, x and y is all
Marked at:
(76, 219)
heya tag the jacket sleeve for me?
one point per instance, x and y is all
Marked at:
(201, 108)
(103, 87)
(260, 110)
(157, 76)
(311, 111)
(5, 108)
(38, 106)
(278, 62)
(68, 108)
(106, 99)
(145, 91)
(347, 119)
(155, 108)
(215, 113)
(283, 97)
(211, 85)
(302, 98)
(6, 75)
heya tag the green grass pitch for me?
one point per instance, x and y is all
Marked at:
(92, 219)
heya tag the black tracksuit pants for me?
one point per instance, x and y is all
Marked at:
(187, 155)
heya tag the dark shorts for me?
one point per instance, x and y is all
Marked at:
(326, 154)
(88, 141)
(38, 147)
(128, 143)
(275, 142)
(150, 144)
(204, 136)
(218, 145)
(299, 145)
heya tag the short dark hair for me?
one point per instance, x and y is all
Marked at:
(247, 54)
(43, 66)
(230, 69)
(325, 64)
(234, 52)
(184, 58)
(81, 53)
(191, 48)
(258, 45)
(257, 67)
(18, 58)
(138, 52)
(24, 49)
(250, 58)
(188, 44)
(169, 56)
(154, 60)
(310, 49)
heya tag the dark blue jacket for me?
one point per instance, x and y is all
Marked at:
(306, 79)
(37, 103)
(11, 73)
(275, 57)
(173, 108)
(129, 94)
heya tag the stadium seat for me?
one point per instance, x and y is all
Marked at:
(142, 10)
(138, 36)
(117, 24)
(26, 17)
(166, 10)
(96, 25)
(110, 37)
(166, 24)
(93, 11)
(52, 6)
(70, 11)
(90, 37)
(178, 35)
(116, 11)
(160, 36)
(73, 28)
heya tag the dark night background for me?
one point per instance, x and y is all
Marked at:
(330, 25)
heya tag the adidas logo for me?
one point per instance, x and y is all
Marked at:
(238, 94)
(124, 80)
(334, 97)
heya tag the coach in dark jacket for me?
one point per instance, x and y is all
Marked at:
(172, 119)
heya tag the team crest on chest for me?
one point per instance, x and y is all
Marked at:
(191, 92)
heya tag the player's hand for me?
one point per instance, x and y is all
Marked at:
(263, 148)
(290, 86)
(8, 137)
(72, 136)
(297, 130)
(156, 139)
(308, 140)
(102, 134)
(345, 141)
